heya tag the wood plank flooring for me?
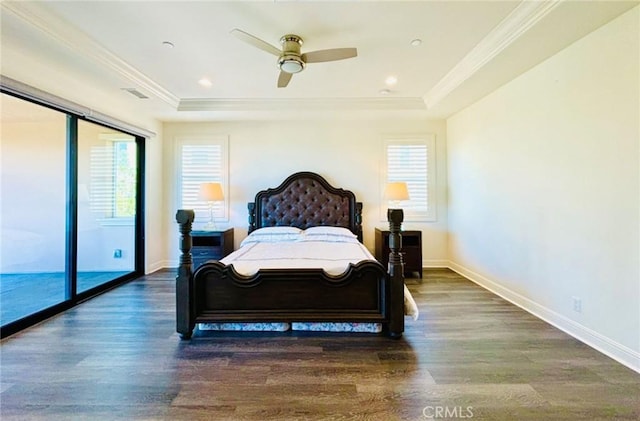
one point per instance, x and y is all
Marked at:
(470, 355)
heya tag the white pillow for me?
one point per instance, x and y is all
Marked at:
(323, 229)
(273, 235)
(329, 234)
(326, 229)
(280, 229)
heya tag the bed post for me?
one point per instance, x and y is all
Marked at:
(358, 220)
(184, 318)
(251, 206)
(396, 273)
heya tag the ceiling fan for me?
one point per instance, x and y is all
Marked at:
(290, 60)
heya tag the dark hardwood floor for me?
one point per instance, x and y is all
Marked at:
(470, 355)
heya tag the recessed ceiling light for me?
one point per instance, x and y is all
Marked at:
(205, 82)
(416, 42)
(168, 44)
(384, 92)
(391, 80)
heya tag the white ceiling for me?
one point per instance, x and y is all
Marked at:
(88, 52)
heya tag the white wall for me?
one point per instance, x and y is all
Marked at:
(347, 153)
(155, 228)
(544, 189)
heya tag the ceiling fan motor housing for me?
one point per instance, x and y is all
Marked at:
(290, 61)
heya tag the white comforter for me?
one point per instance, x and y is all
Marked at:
(333, 258)
(326, 248)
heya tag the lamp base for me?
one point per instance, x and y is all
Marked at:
(210, 226)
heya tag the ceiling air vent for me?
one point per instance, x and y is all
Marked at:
(135, 92)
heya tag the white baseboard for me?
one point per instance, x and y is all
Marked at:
(435, 263)
(623, 354)
(163, 264)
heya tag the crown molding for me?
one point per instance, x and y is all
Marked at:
(304, 104)
(60, 31)
(519, 21)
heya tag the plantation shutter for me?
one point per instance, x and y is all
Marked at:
(112, 172)
(102, 188)
(412, 161)
(201, 163)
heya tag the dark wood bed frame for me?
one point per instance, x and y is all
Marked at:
(367, 292)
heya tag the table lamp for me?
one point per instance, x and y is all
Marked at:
(211, 193)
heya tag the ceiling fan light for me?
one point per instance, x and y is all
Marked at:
(291, 65)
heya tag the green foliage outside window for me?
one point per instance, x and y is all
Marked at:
(125, 179)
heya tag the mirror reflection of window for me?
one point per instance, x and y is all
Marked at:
(107, 171)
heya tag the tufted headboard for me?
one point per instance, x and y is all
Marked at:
(303, 200)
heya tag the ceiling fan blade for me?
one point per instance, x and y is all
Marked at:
(329, 55)
(283, 79)
(256, 42)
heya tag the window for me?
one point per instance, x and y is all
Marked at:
(113, 172)
(412, 160)
(202, 161)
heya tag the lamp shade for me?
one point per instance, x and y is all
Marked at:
(396, 191)
(211, 192)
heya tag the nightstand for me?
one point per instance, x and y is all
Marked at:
(411, 249)
(211, 245)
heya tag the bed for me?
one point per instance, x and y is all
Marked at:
(362, 292)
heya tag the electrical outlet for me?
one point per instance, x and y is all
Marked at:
(577, 304)
(117, 254)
